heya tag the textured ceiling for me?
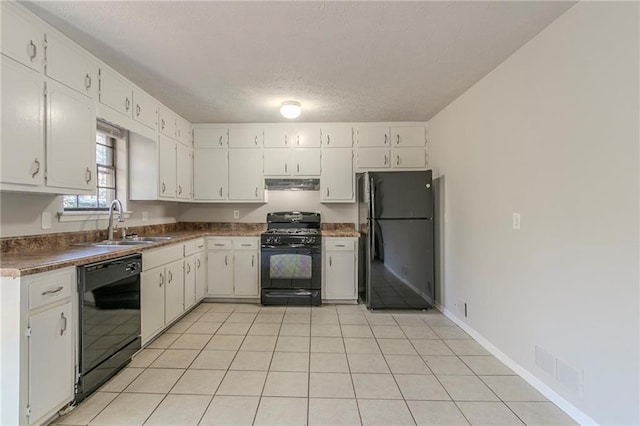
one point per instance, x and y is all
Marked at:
(344, 61)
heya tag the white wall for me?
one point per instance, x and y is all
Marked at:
(277, 201)
(552, 133)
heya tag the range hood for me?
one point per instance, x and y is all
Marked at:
(292, 184)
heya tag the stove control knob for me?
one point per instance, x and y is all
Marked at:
(309, 240)
(273, 240)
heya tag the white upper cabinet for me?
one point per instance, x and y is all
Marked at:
(337, 180)
(115, 91)
(246, 180)
(306, 136)
(167, 122)
(71, 140)
(277, 162)
(167, 167)
(210, 174)
(336, 136)
(183, 171)
(210, 137)
(183, 131)
(70, 65)
(246, 137)
(373, 136)
(409, 158)
(306, 162)
(408, 136)
(145, 109)
(22, 131)
(373, 158)
(277, 137)
(22, 37)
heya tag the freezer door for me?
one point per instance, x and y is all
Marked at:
(397, 195)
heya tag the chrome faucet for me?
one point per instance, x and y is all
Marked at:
(118, 205)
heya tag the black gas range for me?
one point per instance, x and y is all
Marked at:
(291, 252)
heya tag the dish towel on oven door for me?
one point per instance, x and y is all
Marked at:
(290, 266)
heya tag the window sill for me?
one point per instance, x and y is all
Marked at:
(88, 215)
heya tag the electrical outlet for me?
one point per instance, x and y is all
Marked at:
(46, 220)
(236, 214)
(516, 221)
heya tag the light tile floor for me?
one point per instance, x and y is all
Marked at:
(241, 364)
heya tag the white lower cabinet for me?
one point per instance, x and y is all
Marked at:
(174, 291)
(340, 277)
(195, 278)
(38, 345)
(200, 261)
(152, 302)
(234, 267)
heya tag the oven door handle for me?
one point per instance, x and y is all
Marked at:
(294, 246)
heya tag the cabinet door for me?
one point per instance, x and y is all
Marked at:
(167, 122)
(373, 136)
(183, 131)
(405, 136)
(306, 162)
(71, 140)
(145, 109)
(205, 137)
(220, 272)
(409, 158)
(183, 171)
(245, 137)
(189, 282)
(152, 284)
(22, 37)
(340, 275)
(167, 167)
(115, 92)
(246, 180)
(307, 136)
(373, 158)
(200, 260)
(246, 265)
(174, 291)
(22, 130)
(336, 136)
(210, 174)
(70, 65)
(277, 137)
(336, 182)
(277, 162)
(51, 360)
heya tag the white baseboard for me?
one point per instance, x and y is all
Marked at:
(571, 410)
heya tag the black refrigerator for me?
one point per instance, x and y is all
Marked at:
(400, 242)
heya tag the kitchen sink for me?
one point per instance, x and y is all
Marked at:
(108, 243)
(150, 239)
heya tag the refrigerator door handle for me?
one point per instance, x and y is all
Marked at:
(372, 225)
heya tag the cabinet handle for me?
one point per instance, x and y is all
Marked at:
(162, 124)
(256, 192)
(285, 139)
(127, 104)
(220, 191)
(87, 175)
(245, 245)
(253, 260)
(87, 81)
(161, 280)
(285, 167)
(386, 138)
(37, 164)
(219, 140)
(64, 324)
(398, 139)
(330, 261)
(188, 268)
(170, 277)
(32, 50)
(298, 167)
(340, 245)
(386, 159)
(328, 139)
(198, 263)
(298, 139)
(219, 245)
(256, 140)
(57, 290)
(397, 160)
(164, 187)
(137, 110)
(327, 192)
(226, 260)
(179, 189)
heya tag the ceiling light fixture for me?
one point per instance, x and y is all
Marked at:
(290, 109)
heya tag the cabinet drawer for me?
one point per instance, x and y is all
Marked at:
(50, 287)
(218, 243)
(246, 244)
(340, 244)
(193, 246)
(161, 256)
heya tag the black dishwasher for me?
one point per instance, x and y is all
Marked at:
(109, 307)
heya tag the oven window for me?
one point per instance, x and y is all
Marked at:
(290, 266)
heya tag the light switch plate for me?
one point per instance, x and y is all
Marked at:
(46, 220)
(516, 221)
(236, 214)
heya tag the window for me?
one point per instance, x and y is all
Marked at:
(106, 182)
